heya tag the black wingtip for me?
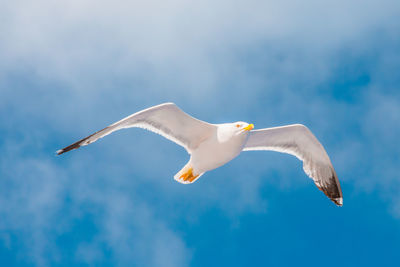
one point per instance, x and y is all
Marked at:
(77, 144)
(71, 147)
(332, 189)
(338, 201)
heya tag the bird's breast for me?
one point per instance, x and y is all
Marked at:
(212, 154)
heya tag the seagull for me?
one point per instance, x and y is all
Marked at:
(213, 145)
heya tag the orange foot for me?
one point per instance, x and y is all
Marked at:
(188, 175)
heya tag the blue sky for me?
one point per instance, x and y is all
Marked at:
(69, 68)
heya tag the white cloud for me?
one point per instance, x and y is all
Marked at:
(41, 202)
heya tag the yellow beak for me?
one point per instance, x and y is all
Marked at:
(249, 127)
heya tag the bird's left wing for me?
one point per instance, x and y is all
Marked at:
(298, 140)
(165, 119)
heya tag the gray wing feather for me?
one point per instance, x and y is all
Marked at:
(165, 119)
(298, 140)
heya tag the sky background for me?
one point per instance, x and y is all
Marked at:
(69, 68)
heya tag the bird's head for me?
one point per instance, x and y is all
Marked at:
(233, 131)
(241, 127)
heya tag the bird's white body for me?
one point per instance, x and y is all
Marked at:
(221, 147)
(213, 145)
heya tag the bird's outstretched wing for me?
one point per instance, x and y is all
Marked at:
(165, 119)
(298, 140)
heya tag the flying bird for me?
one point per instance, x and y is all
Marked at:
(212, 145)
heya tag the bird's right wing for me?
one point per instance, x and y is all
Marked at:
(298, 140)
(165, 119)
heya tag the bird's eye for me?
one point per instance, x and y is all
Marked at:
(237, 125)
